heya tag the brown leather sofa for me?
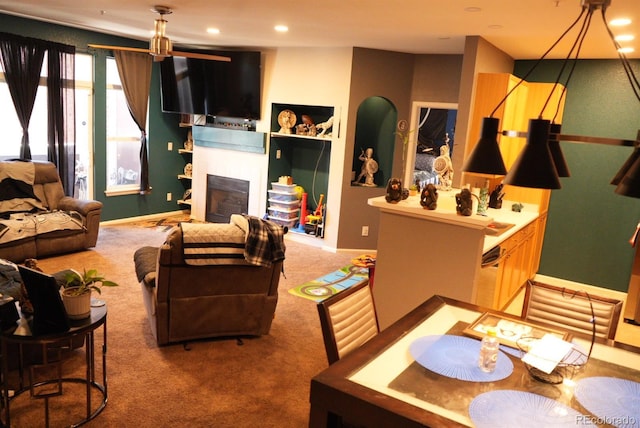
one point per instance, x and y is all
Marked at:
(186, 302)
(47, 187)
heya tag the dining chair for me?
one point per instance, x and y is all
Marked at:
(348, 320)
(571, 309)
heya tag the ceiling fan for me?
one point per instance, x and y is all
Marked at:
(160, 46)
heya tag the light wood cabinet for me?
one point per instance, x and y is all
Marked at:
(527, 101)
(500, 283)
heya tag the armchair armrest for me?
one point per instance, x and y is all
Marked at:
(84, 207)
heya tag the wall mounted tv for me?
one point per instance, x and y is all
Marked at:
(215, 88)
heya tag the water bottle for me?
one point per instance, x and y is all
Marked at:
(489, 351)
(483, 199)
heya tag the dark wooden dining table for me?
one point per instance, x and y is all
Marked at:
(380, 384)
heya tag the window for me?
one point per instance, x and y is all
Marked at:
(84, 127)
(12, 131)
(123, 139)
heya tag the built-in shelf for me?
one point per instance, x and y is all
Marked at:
(297, 136)
(184, 178)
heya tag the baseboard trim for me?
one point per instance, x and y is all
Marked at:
(143, 217)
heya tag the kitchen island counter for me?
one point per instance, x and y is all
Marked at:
(423, 252)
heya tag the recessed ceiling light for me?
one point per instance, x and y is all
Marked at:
(624, 38)
(625, 50)
(495, 26)
(213, 30)
(281, 28)
(472, 9)
(620, 22)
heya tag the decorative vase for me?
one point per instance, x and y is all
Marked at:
(78, 306)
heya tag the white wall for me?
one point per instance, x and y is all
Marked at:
(322, 77)
(290, 76)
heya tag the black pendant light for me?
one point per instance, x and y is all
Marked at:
(556, 152)
(629, 184)
(627, 180)
(485, 157)
(534, 166)
(626, 167)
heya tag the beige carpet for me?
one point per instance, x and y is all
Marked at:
(263, 383)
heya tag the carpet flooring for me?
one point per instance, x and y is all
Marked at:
(217, 383)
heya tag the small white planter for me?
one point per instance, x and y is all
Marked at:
(77, 306)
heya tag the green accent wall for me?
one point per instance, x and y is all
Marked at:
(164, 165)
(589, 225)
(375, 128)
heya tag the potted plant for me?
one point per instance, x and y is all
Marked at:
(413, 190)
(77, 289)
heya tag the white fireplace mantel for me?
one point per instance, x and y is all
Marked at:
(252, 167)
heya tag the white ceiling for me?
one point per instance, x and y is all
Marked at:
(521, 28)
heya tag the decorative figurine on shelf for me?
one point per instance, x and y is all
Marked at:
(188, 169)
(443, 166)
(394, 191)
(495, 199)
(325, 126)
(369, 167)
(286, 120)
(307, 127)
(429, 197)
(464, 203)
(188, 145)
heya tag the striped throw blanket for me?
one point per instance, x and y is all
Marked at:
(212, 244)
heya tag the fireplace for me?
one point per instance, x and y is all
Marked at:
(225, 196)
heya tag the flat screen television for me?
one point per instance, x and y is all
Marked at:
(214, 88)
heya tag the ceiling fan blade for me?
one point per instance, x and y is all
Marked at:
(119, 48)
(200, 56)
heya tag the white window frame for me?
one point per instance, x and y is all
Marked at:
(119, 189)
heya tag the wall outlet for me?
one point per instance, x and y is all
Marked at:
(170, 146)
(278, 154)
(169, 196)
(365, 230)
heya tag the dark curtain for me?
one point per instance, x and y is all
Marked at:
(61, 147)
(21, 59)
(134, 69)
(432, 130)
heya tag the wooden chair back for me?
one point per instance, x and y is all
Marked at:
(571, 309)
(348, 319)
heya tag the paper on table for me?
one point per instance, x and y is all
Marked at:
(546, 353)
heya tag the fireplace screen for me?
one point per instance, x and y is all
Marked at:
(226, 196)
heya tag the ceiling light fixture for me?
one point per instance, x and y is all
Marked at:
(160, 45)
(541, 162)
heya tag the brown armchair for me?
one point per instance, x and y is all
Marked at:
(52, 201)
(186, 302)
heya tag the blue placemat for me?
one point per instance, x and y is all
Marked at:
(507, 408)
(457, 357)
(614, 400)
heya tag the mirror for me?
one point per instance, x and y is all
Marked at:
(432, 125)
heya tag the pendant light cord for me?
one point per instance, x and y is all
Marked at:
(539, 60)
(577, 47)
